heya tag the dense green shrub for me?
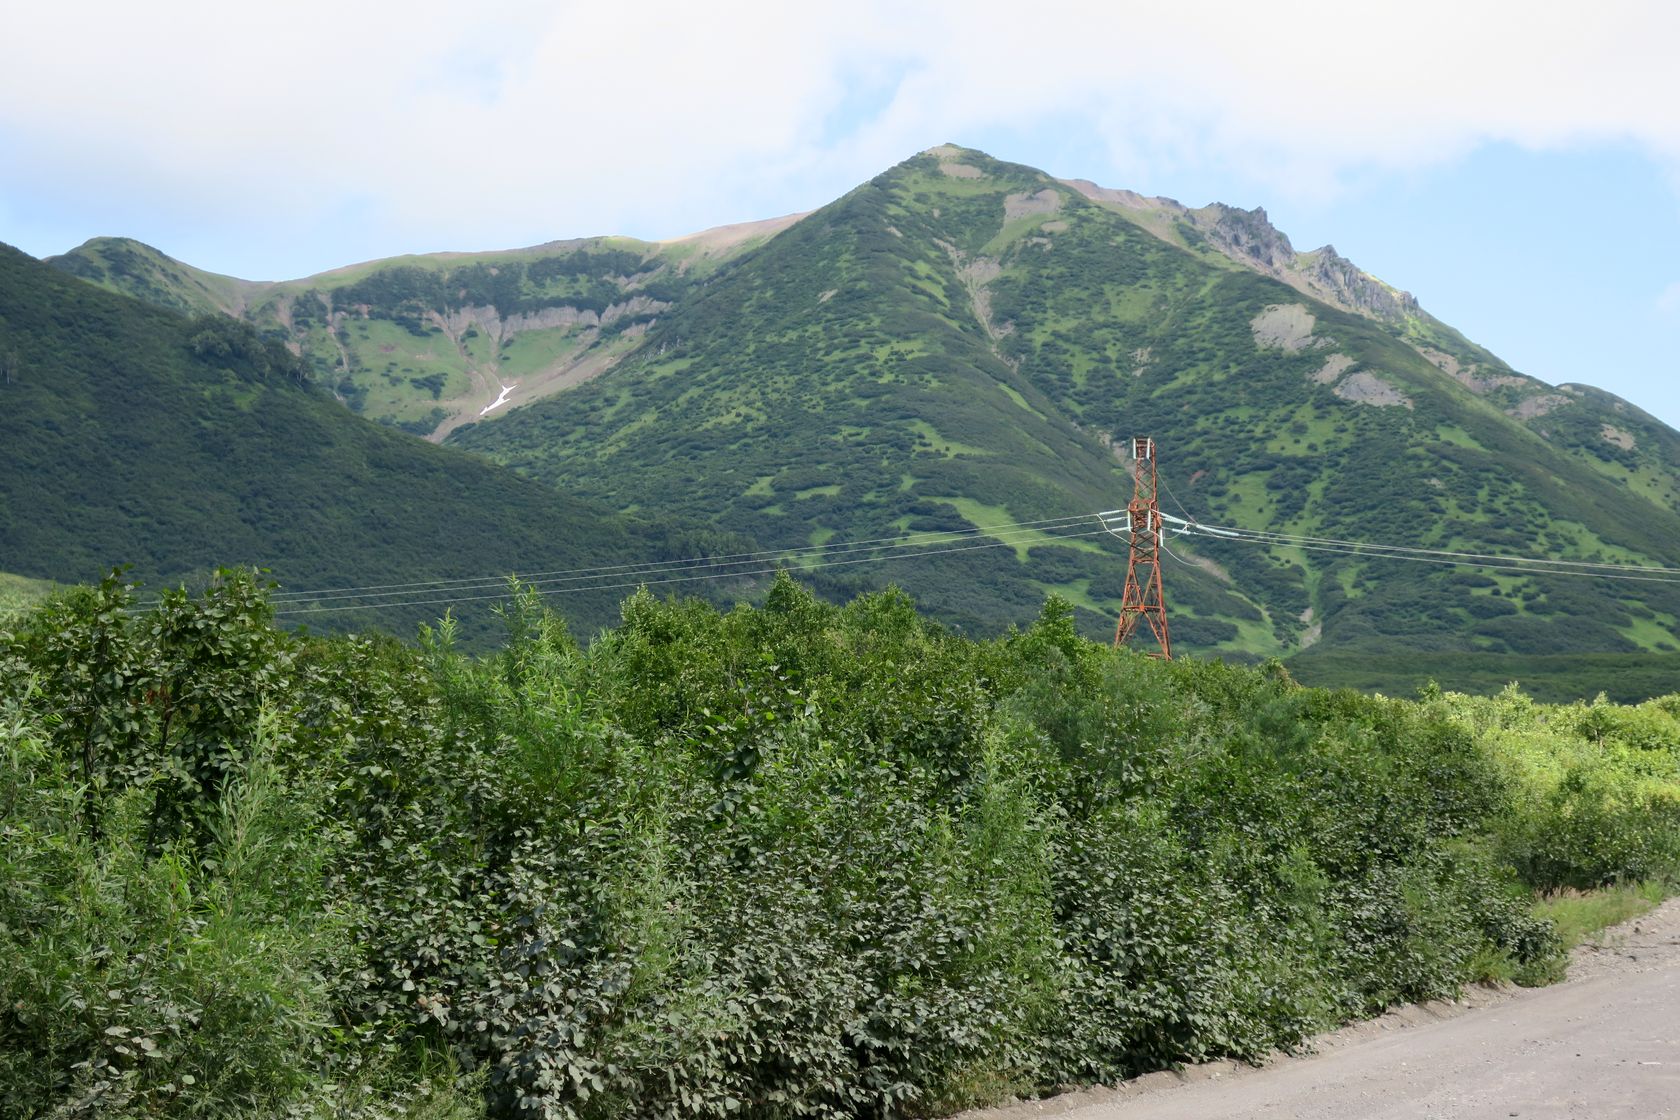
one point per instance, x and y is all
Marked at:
(801, 860)
(1599, 787)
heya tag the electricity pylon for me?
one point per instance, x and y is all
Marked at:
(1143, 599)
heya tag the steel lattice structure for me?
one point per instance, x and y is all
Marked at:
(1143, 600)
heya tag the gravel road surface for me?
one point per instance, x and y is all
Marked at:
(1603, 1044)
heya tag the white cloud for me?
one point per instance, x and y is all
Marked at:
(515, 119)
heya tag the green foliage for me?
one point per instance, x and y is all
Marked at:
(17, 592)
(1627, 678)
(123, 265)
(1600, 798)
(176, 937)
(132, 434)
(177, 981)
(362, 330)
(236, 348)
(801, 860)
(1578, 915)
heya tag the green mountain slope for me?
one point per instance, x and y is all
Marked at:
(121, 264)
(131, 434)
(425, 343)
(1600, 429)
(957, 341)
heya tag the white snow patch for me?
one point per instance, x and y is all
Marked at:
(499, 401)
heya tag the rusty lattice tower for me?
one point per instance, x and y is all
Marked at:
(1143, 600)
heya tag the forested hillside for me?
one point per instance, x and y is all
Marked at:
(802, 860)
(133, 435)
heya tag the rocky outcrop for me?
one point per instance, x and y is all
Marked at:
(1530, 408)
(1287, 326)
(951, 163)
(1339, 281)
(1367, 388)
(1024, 205)
(1617, 436)
(565, 317)
(1334, 366)
(1246, 235)
(1249, 238)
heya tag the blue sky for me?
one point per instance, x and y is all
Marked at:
(1515, 166)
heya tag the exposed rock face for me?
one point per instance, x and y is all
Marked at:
(1023, 205)
(1531, 407)
(491, 322)
(1368, 388)
(1249, 238)
(1346, 286)
(1247, 234)
(1470, 376)
(1621, 439)
(1130, 199)
(1334, 366)
(1286, 326)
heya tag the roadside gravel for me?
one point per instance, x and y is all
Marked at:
(1603, 1044)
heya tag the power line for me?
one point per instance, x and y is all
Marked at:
(1016, 532)
(1022, 529)
(1165, 485)
(908, 546)
(1494, 556)
(1394, 552)
(762, 556)
(920, 553)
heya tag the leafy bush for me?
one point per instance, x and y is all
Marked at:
(1599, 801)
(802, 860)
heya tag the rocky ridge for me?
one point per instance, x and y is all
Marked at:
(1249, 238)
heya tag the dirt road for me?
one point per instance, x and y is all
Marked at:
(1605, 1043)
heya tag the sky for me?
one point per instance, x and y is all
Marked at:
(1516, 166)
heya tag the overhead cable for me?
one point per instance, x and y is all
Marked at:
(546, 587)
(1356, 549)
(762, 556)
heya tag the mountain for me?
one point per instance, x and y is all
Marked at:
(425, 343)
(964, 342)
(133, 434)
